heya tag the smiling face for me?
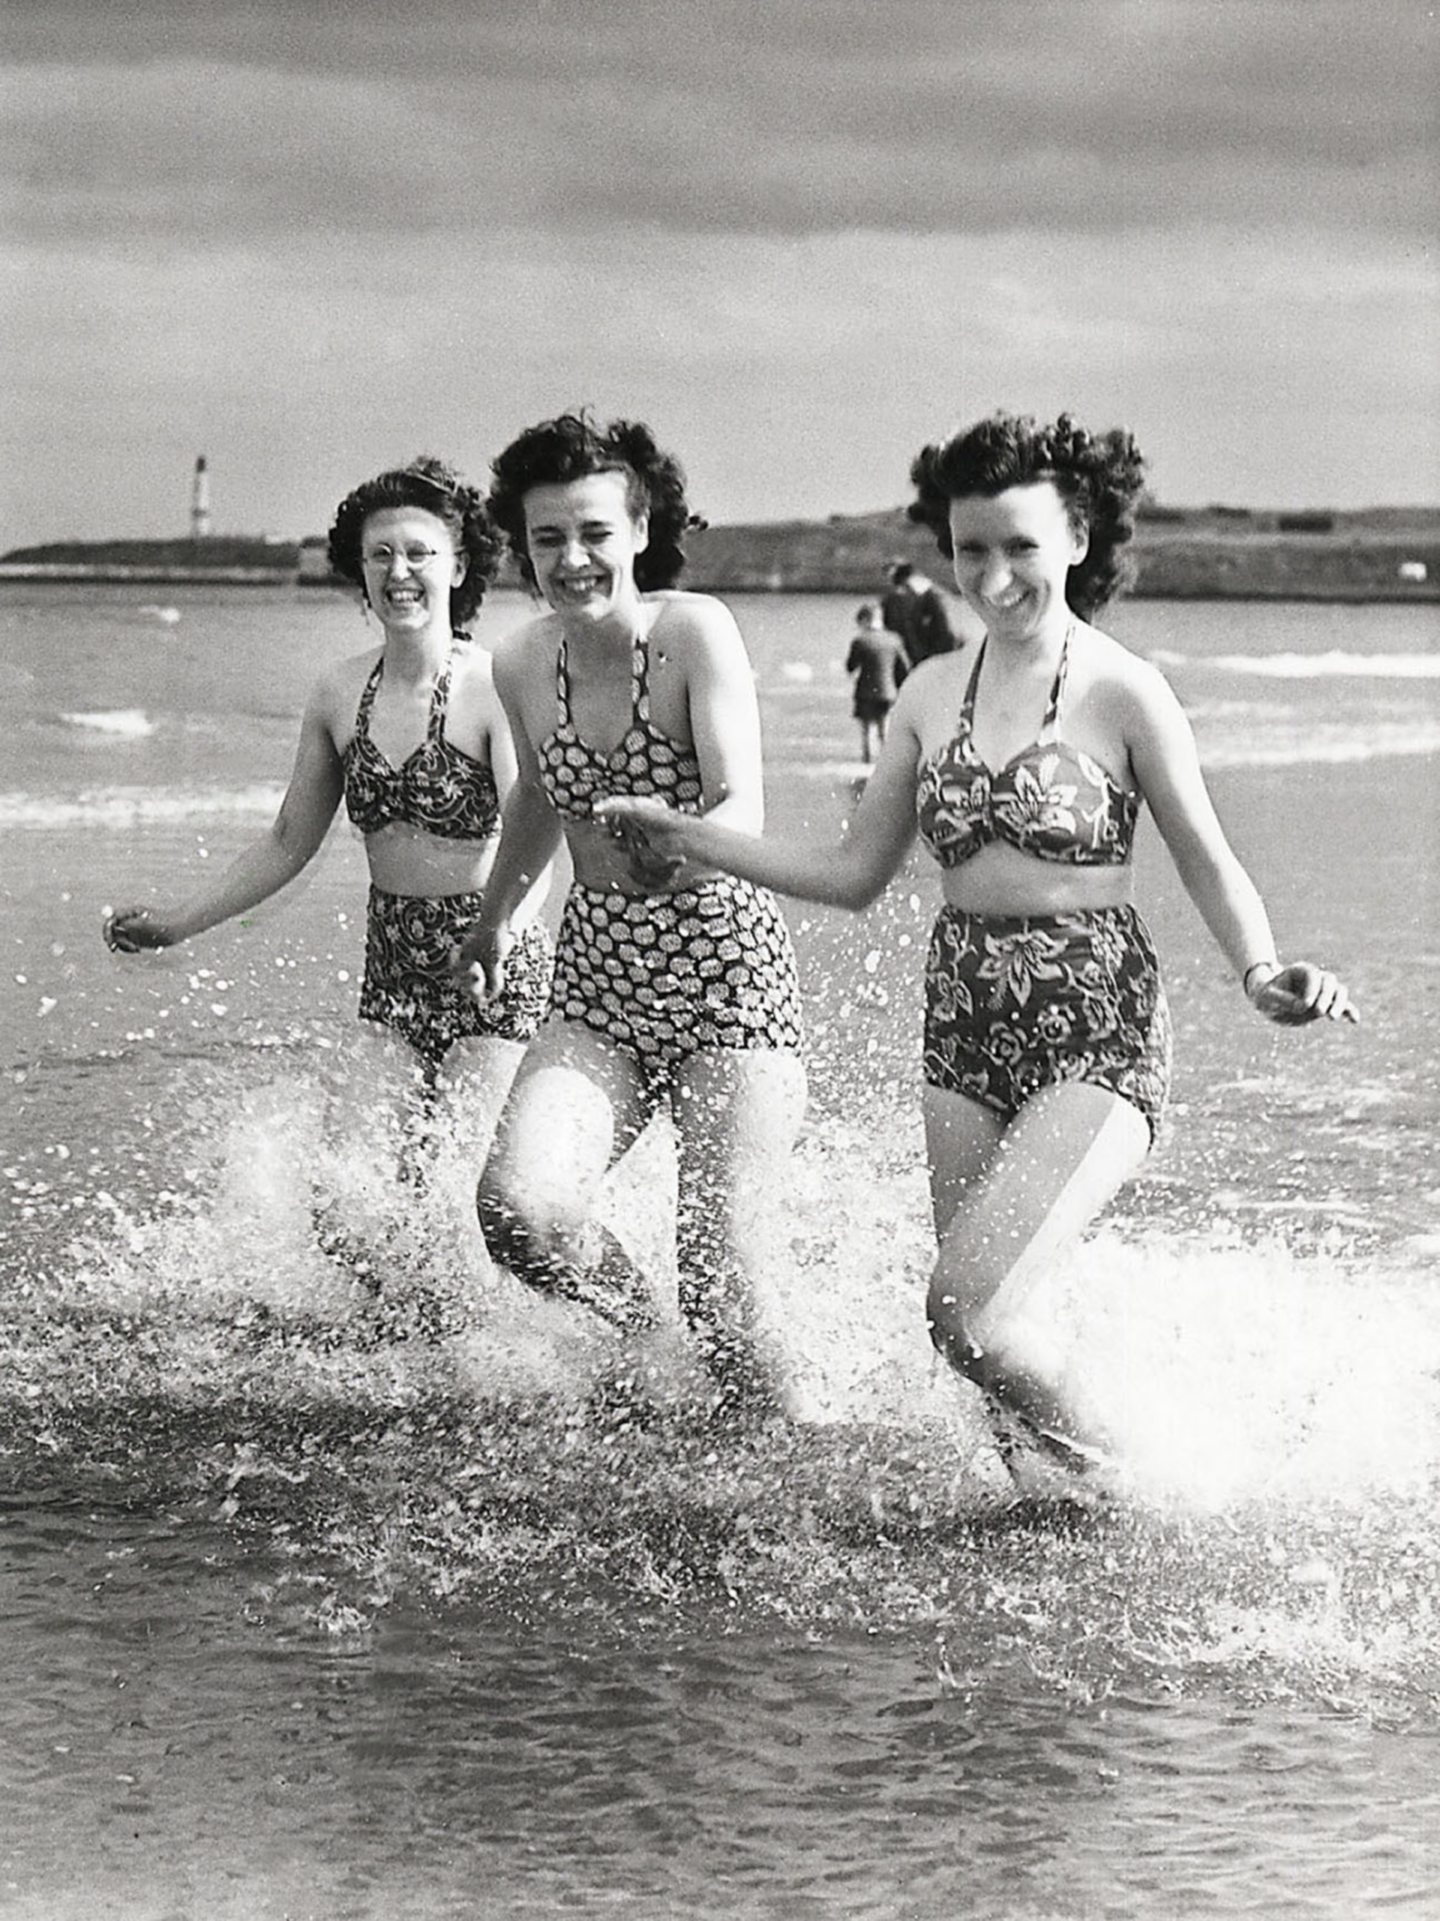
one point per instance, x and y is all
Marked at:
(583, 539)
(410, 564)
(1013, 552)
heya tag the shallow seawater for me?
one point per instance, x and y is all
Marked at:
(319, 1601)
(328, 1607)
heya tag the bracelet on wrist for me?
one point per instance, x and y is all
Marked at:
(1254, 968)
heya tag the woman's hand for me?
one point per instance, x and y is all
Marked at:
(131, 930)
(652, 834)
(1298, 992)
(479, 962)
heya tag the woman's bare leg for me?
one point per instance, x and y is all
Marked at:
(576, 1104)
(737, 1114)
(1011, 1198)
(472, 1084)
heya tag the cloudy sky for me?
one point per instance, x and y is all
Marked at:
(799, 236)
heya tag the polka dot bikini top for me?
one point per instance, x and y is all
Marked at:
(575, 775)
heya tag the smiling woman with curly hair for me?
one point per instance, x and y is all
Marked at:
(1024, 768)
(675, 985)
(411, 736)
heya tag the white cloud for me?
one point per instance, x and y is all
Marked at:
(792, 377)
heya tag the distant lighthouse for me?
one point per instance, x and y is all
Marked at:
(200, 501)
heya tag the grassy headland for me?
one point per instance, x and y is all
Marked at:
(1182, 553)
(228, 559)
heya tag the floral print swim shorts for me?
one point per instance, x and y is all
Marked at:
(410, 941)
(1013, 1005)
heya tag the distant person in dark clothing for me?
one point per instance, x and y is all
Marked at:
(878, 664)
(914, 610)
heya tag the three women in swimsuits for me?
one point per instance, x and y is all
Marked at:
(1023, 768)
(674, 984)
(412, 737)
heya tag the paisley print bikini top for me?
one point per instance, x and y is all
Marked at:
(575, 775)
(437, 788)
(1049, 800)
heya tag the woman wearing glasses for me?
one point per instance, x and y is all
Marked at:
(413, 738)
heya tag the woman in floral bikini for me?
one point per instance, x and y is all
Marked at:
(410, 736)
(1047, 1039)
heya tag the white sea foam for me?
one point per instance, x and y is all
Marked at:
(1337, 664)
(121, 807)
(1327, 746)
(131, 723)
(1322, 744)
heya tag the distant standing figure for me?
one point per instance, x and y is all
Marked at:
(914, 610)
(879, 668)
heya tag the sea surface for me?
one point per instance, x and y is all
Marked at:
(312, 1611)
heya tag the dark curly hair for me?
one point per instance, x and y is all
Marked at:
(1099, 477)
(435, 486)
(574, 445)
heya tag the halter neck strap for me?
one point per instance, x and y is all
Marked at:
(639, 680)
(439, 697)
(1057, 688)
(367, 697)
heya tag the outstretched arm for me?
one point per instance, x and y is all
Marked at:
(266, 864)
(1167, 766)
(850, 872)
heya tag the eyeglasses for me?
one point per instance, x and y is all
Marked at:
(415, 558)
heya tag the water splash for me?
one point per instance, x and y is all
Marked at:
(1271, 1521)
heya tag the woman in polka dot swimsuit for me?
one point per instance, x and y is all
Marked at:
(674, 986)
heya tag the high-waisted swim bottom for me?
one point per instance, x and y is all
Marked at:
(410, 940)
(1016, 1004)
(666, 976)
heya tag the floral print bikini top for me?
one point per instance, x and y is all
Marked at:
(575, 775)
(438, 787)
(1048, 800)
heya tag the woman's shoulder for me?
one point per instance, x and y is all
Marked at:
(341, 684)
(473, 693)
(334, 697)
(473, 662)
(1105, 658)
(1132, 686)
(683, 606)
(532, 640)
(935, 679)
(692, 623)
